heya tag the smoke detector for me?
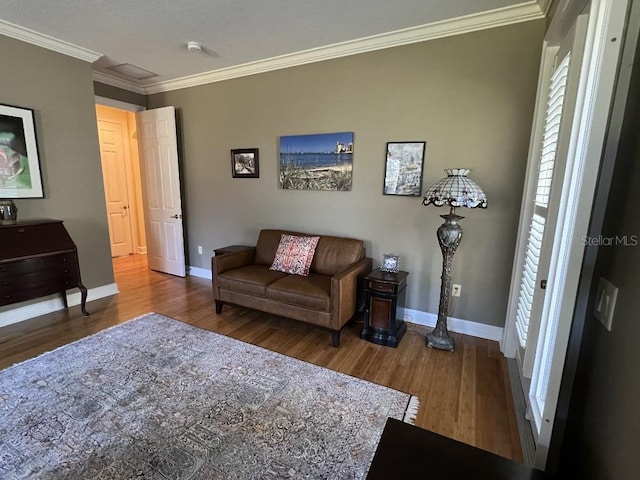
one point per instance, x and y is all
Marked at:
(194, 47)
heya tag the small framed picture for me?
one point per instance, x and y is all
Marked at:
(245, 163)
(390, 263)
(403, 168)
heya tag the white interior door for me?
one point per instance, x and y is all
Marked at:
(114, 171)
(160, 173)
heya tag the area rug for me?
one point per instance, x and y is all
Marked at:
(155, 398)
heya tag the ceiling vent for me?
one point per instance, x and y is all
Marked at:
(131, 71)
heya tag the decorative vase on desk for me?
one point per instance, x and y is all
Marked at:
(8, 212)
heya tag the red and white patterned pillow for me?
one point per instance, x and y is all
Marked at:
(294, 254)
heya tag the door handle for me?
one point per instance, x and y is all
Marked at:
(176, 216)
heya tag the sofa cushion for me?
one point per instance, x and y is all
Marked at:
(313, 291)
(251, 279)
(294, 254)
(267, 244)
(334, 254)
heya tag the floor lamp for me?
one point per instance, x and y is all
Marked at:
(455, 190)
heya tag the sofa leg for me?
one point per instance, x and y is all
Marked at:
(335, 338)
(219, 307)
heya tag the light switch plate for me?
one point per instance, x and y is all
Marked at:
(605, 302)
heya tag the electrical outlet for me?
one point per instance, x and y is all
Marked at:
(199, 249)
(606, 302)
(456, 290)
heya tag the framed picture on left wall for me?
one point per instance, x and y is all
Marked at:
(19, 162)
(245, 163)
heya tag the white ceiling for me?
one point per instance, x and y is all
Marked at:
(239, 37)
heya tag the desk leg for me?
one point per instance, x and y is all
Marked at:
(83, 300)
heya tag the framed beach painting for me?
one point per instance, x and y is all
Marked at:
(19, 163)
(322, 161)
(403, 168)
(245, 163)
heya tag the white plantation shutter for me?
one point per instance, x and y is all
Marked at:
(543, 191)
(529, 274)
(551, 131)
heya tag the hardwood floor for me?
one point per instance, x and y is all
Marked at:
(464, 395)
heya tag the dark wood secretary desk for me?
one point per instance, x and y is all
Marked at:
(38, 258)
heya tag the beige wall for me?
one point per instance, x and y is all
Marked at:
(470, 97)
(60, 91)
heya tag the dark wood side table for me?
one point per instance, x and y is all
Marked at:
(384, 307)
(230, 249)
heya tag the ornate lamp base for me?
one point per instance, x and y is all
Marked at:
(449, 236)
(441, 341)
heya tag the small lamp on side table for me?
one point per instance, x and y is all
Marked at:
(455, 190)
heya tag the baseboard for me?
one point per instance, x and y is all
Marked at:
(200, 272)
(53, 304)
(142, 250)
(458, 325)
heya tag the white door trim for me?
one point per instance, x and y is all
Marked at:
(110, 102)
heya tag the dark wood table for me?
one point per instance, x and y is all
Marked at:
(407, 452)
(384, 307)
(230, 249)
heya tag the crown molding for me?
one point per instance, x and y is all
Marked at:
(45, 41)
(118, 82)
(545, 5)
(523, 12)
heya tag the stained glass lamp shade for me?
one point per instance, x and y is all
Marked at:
(455, 190)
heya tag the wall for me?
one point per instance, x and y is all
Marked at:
(470, 97)
(60, 91)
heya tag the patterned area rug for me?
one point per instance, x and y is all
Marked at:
(155, 398)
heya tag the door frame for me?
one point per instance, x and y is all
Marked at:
(593, 105)
(136, 208)
(119, 170)
(109, 102)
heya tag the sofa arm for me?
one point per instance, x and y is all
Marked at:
(228, 261)
(222, 263)
(344, 291)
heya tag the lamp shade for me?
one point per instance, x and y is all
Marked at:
(455, 190)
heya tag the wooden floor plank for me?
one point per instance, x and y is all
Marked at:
(463, 394)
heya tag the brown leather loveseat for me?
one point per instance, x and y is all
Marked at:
(326, 297)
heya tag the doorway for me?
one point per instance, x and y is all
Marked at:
(122, 180)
